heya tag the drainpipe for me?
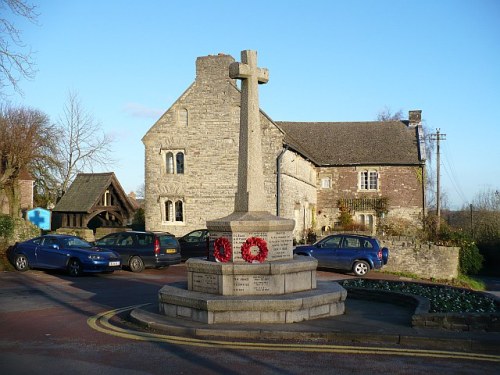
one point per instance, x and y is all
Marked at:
(278, 179)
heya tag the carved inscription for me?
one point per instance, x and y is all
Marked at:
(280, 245)
(207, 283)
(251, 284)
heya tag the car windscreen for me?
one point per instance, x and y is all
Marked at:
(75, 242)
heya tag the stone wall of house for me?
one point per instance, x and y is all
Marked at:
(204, 124)
(298, 192)
(400, 185)
(422, 259)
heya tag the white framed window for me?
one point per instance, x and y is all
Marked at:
(368, 180)
(173, 161)
(173, 211)
(326, 183)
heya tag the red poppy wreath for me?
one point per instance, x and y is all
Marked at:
(246, 252)
(226, 246)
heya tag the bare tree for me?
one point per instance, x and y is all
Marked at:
(386, 115)
(15, 62)
(82, 143)
(26, 139)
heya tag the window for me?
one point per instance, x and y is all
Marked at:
(179, 161)
(326, 183)
(352, 242)
(168, 211)
(179, 212)
(368, 180)
(174, 211)
(367, 220)
(174, 164)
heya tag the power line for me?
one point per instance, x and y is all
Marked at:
(452, 174)
(438, 136)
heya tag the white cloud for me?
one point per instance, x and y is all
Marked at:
(138, 110)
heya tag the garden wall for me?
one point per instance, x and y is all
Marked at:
(425, 260)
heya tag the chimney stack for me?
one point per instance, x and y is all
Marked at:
(414, 118)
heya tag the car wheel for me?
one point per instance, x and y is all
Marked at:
(21, 263)
(136, 264)
(360, 268)
(75, 268)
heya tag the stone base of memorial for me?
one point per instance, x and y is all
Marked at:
(325, 301)
(280, 289)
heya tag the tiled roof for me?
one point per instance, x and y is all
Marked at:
(85, 192)
(354, 143)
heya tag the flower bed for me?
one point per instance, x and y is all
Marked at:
(436, 306)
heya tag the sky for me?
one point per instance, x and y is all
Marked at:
(328, 60)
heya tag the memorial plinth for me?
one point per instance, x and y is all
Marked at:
(256, 279)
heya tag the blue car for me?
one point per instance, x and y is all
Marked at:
(58, 251)
(348, 252)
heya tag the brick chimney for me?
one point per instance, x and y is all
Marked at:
(213, 68)
(414, 118)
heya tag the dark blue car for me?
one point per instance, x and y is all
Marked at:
(348, 252)
(65, 252)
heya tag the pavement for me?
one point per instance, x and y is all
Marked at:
(365, 322)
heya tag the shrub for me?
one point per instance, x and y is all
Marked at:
(470, 259)
(6, 226)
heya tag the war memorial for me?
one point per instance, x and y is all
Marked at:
(254, 277)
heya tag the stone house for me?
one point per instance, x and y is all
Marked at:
(311, 169)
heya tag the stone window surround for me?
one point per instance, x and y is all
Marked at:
(174, 201)
(325, 182)
(362, 175)
(174, 152)
(363, 218)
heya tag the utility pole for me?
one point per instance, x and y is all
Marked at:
(438, 137)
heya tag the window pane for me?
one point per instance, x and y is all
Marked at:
(178, 211)
(168, 211)
(179, 159)
(170, 162)
(364, 180)
(373, 180)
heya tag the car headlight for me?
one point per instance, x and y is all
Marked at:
(95, 257)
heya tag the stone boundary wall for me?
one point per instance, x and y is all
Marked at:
(425, 260)
(422, 318)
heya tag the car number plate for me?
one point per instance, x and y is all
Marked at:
(115, 263)
(171, 251)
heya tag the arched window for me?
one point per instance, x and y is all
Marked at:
(179, 208)
(168, 211)
(179, 161)
(170, 162)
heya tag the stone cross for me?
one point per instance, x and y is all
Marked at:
(251, 195)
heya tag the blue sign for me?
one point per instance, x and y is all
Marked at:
(40, 217)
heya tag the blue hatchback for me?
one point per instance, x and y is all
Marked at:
(348, 252)
(58, 251)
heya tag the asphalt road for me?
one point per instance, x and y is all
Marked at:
(44, 329)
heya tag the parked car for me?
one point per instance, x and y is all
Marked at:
(349, 252)
(139, 250)
(194, 244)
(70, 253)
